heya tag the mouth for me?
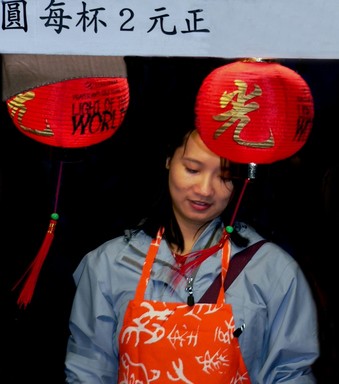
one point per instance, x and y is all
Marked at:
(200, 205)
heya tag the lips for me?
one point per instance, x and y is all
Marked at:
(199, 205)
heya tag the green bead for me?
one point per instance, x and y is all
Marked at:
(229, 229)
(55, 216)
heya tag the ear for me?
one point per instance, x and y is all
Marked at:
(168, 161)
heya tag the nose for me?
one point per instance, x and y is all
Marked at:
(204, 185)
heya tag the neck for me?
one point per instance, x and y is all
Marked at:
(190, 233)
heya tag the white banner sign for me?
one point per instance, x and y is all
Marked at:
(198, 28)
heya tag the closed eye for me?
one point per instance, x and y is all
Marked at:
(191, 170)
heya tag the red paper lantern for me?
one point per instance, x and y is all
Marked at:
(67, 102)
(253, 111)
(71, 113)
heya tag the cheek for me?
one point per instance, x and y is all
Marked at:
(178, 179)
(176, 185)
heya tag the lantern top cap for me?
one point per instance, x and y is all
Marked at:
(24, 72)
(257, 60)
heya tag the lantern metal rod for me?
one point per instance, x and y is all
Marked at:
(251, 170)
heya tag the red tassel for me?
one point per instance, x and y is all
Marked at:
(34, 269)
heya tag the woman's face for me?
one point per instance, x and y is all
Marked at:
(198, 187)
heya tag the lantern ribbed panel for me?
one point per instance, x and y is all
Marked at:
(71, 113)
(256, 112)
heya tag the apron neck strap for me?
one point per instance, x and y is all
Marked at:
(225, 261)
(151, 255)
(147, 268)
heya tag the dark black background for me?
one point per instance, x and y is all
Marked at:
(108, 186)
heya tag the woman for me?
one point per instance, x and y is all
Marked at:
(136, 316)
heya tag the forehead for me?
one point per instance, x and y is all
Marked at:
(195, 147)
(195, 143)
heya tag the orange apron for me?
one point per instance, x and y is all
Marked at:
(164, 342)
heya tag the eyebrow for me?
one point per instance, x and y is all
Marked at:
(192, 160)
